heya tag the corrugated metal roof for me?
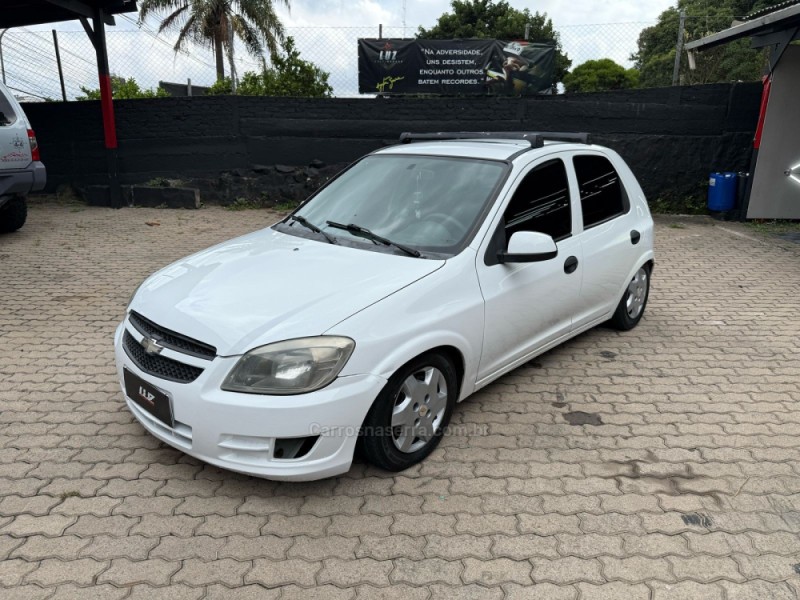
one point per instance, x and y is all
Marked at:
(772, 22)
(20, 13)
(769, 9)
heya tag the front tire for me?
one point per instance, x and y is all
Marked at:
(13, 214)
(631, 308)
(409, 417)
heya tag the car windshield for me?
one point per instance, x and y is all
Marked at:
(426, 203)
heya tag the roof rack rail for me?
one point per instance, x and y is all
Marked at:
(535, 138)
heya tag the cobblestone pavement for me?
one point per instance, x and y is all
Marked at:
(689, 487)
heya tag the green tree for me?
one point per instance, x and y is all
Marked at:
(600, 75)
(287, 75)
(123, 88)
(221, 87)
(735, 61)
(498, 20)
(216, 23)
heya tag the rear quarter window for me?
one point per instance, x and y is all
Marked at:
(603, 197)
(7, 114)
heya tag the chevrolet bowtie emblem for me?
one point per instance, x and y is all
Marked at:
(151, 346)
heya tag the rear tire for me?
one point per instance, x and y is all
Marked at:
(13, 214)
(631, 308)
(409, 416)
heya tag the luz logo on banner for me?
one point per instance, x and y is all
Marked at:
(388, 55)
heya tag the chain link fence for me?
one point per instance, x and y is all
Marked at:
(30, 68)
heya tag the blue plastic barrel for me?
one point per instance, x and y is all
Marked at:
(722, 191)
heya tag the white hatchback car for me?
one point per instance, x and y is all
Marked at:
(417, 276)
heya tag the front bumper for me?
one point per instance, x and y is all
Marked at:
(238, 431)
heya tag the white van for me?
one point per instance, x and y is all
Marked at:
(21, 171)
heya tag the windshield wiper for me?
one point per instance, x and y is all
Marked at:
(305, 223)
(366, 233)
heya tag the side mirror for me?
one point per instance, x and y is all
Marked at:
(528, 246)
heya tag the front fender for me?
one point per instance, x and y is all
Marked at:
(443, 309)
(412, 348)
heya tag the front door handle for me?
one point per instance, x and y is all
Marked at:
(635, 237)
(570, 264)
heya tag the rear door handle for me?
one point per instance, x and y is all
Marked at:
(570, 264)
(635, 237)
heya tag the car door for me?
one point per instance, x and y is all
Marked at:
(608, 234)
(529, 305)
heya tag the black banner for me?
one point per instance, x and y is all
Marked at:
(454, 67)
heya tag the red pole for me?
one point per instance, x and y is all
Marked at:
(107, 106)
(762, 113)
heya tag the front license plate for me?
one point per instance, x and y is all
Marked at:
(149, 397)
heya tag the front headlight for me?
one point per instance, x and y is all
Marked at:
(291, 367)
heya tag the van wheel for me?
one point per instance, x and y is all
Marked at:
(631, 308)
(409, 417)
(13, 214)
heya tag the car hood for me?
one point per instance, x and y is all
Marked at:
(269, 286)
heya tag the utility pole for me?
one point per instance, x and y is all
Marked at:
(60, 68)
(676, 70)
(2, 62)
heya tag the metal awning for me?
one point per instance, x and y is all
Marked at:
(21, 13)
(778, 27)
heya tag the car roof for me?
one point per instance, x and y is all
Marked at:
(487, 149)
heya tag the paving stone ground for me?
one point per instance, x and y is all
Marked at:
(690, 487)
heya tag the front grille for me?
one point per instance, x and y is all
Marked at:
(158, 365)
(170, 339)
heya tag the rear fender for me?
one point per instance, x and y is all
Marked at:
(644, 259)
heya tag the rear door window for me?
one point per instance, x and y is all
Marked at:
(603, 196)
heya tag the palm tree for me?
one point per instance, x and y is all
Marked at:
(215, 23)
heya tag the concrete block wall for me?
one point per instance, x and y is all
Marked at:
(671, 137)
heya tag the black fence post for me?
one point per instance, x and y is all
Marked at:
(60, 69)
